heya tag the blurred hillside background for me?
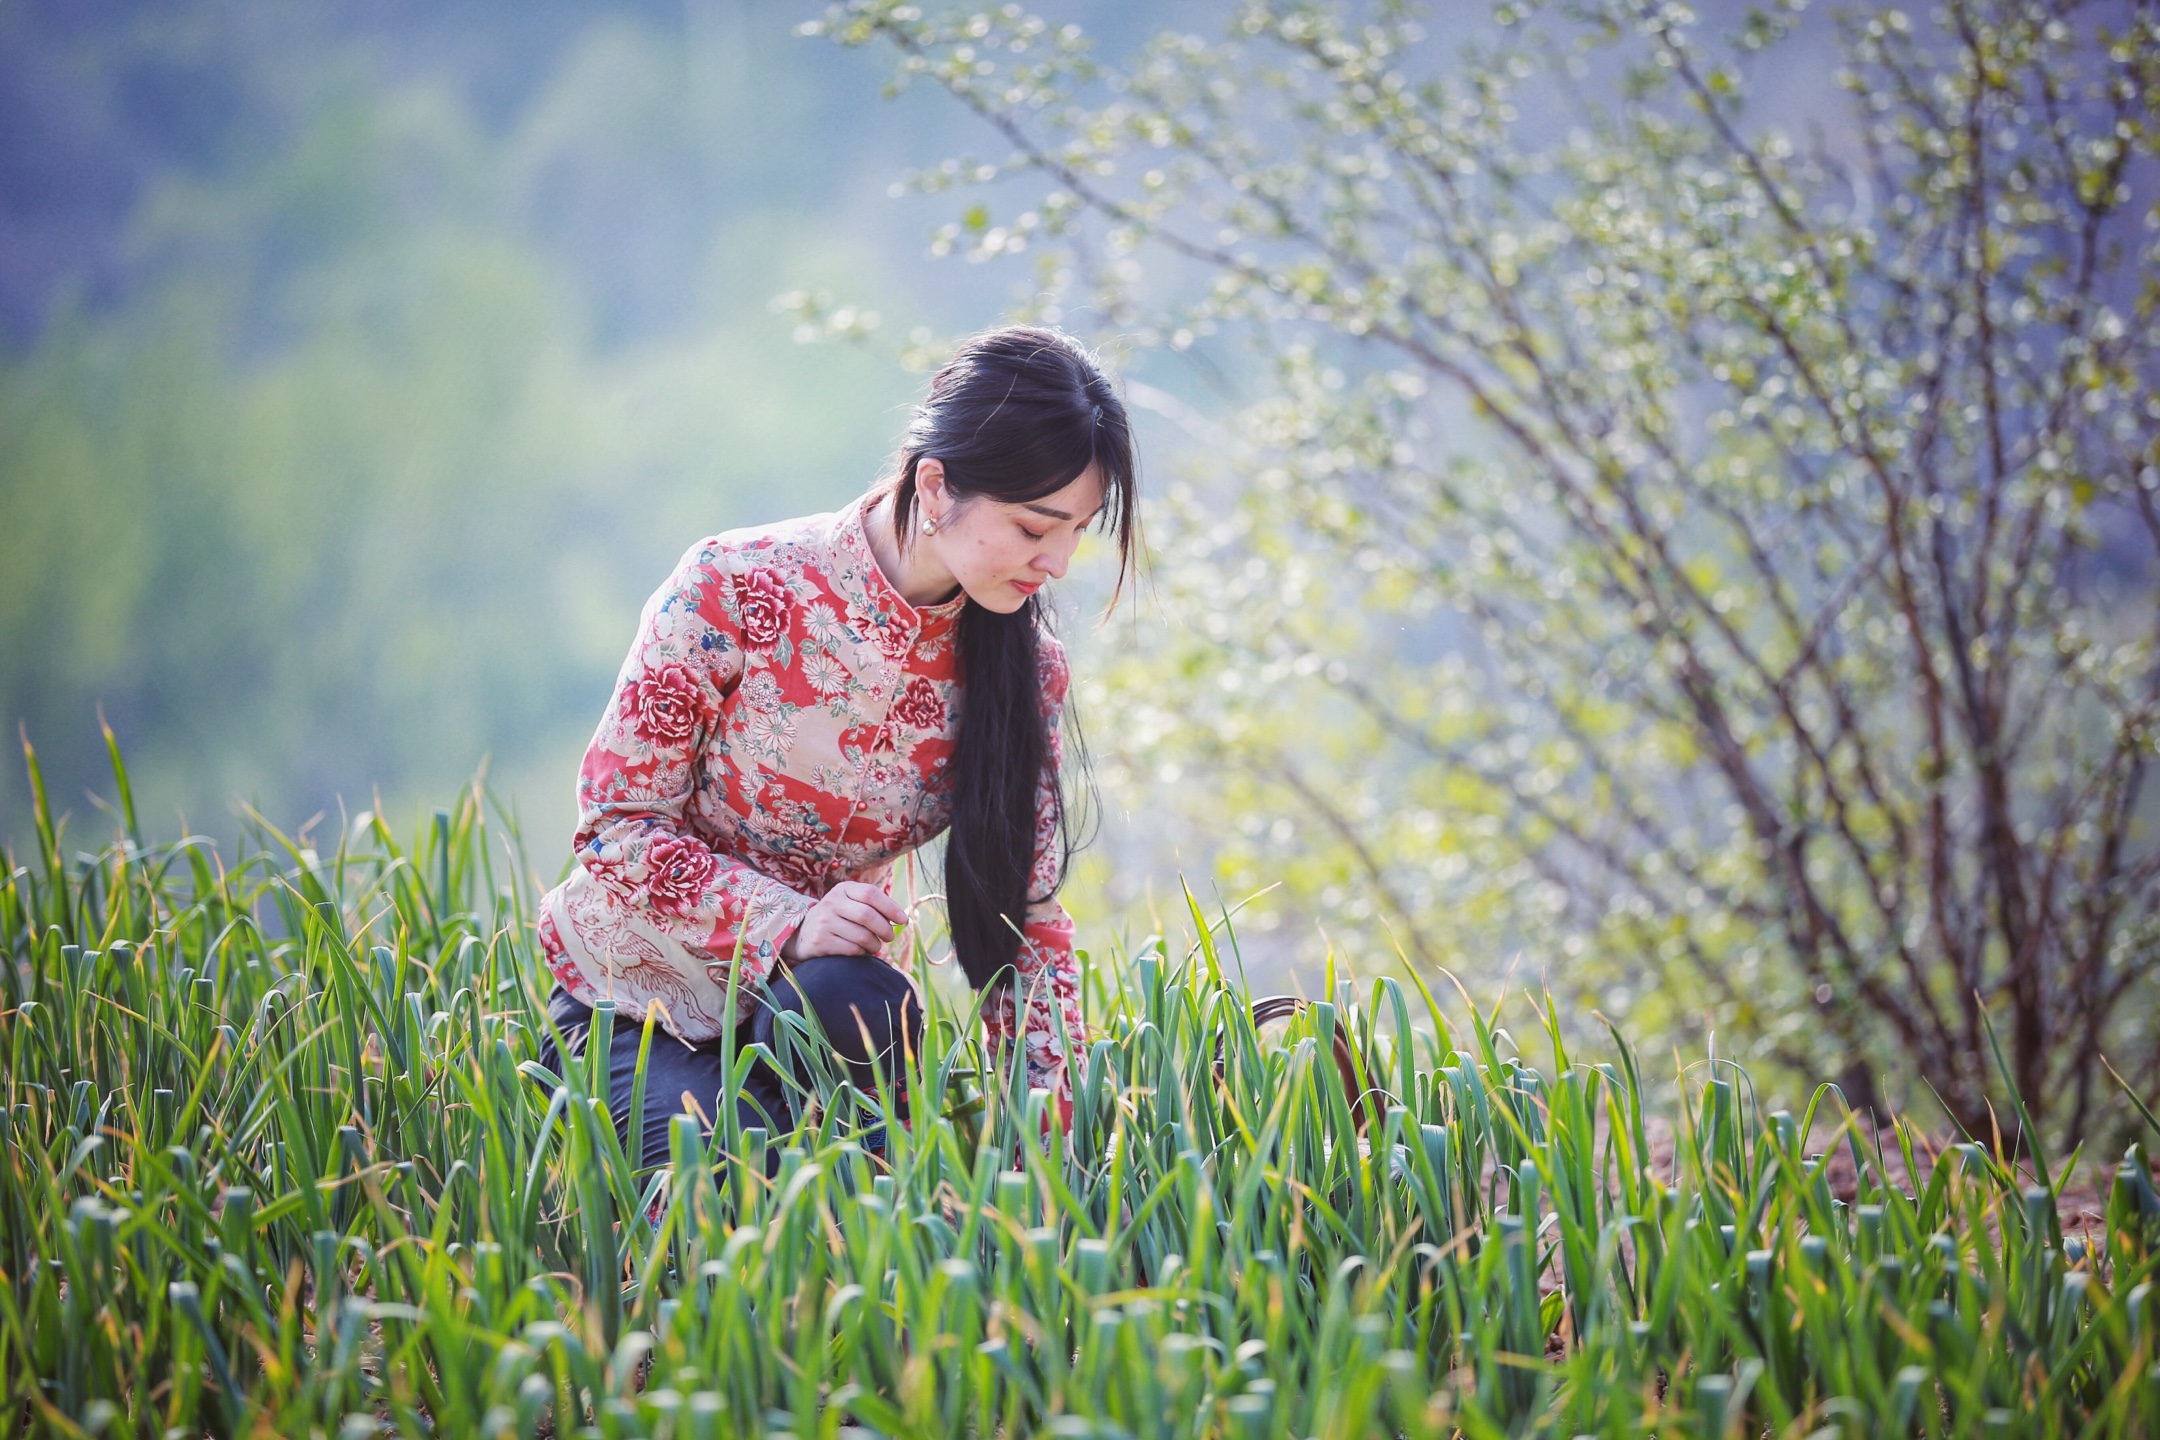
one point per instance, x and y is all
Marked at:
(363, 366)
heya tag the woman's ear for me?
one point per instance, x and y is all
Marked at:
(932, 499)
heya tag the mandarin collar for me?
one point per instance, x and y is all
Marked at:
(863, 583)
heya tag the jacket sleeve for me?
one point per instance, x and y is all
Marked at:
(649, 911)
(1042, 1002)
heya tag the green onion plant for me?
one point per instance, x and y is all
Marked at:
(280, 1159)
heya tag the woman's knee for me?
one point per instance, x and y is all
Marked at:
(865, 1007)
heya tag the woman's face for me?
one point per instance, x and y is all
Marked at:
(1001, 553)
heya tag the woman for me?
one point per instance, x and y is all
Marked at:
(807, 701)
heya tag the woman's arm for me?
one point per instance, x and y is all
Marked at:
(1046, 977)
(650, 911)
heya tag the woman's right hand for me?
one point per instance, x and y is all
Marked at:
(853, 918)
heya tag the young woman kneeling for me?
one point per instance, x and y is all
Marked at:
(807, 701)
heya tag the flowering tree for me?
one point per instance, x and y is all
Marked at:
(1645, 535)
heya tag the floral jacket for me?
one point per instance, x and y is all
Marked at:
(783, 723)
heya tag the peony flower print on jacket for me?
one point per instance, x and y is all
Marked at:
(783, 722)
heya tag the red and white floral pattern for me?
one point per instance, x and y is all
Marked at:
(783, 722)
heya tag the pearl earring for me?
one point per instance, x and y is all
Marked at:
(929, 526)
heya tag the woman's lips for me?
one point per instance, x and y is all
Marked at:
(1027, 587)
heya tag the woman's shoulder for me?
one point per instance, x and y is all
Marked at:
(780, 544)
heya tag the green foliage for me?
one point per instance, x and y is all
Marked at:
(408, 399)
(1721, 562)
(279, 1160)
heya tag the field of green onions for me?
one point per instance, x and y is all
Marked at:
(280, 1159)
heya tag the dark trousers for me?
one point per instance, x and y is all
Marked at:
(867, 1009)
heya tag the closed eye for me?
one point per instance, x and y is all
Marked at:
(1032, 534)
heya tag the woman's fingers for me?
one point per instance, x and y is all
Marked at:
(853, 939)
(874, 899)
(854, 918)
(840, 935)
(869, 917)
(827, 939)
(867, 938)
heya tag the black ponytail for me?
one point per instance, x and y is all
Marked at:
(999, 756)
(1017, 414)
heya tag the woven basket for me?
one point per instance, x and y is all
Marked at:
(1268, 1010)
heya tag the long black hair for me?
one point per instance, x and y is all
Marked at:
(1017, 414)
